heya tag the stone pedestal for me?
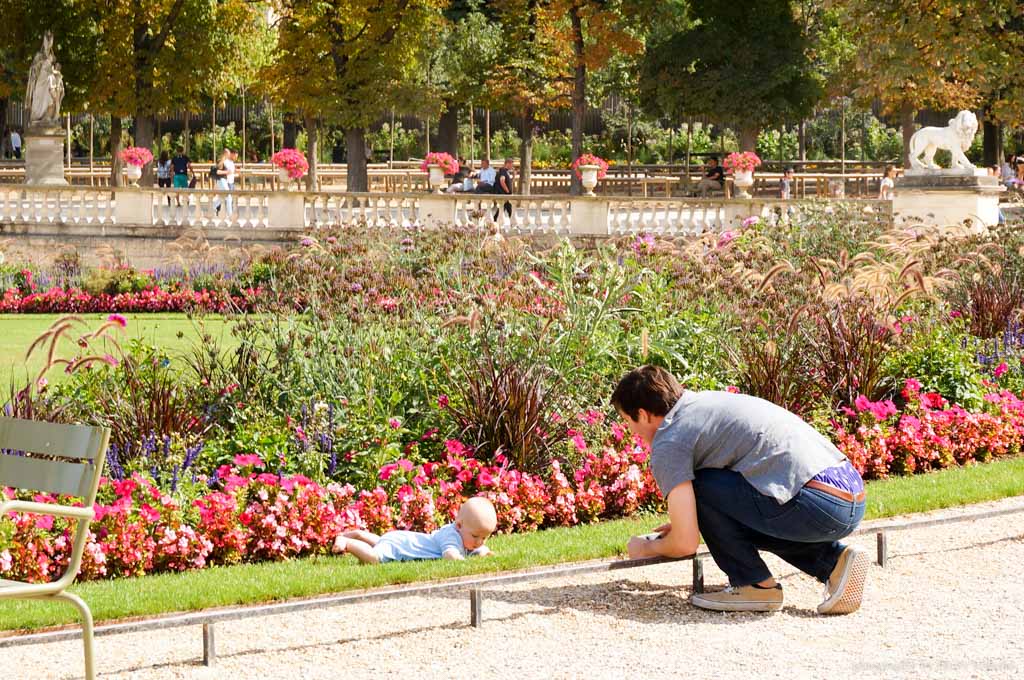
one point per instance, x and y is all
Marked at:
(286, 210)
(44, 157)
(947, 198)
(133, 206)
(588, 216)
(437, 210)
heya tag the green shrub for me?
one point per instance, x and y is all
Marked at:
(939, 355)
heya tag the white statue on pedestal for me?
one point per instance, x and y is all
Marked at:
(45, 87)
(955, 138)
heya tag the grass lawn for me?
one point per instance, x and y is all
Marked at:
(18, 331)
(253, 583)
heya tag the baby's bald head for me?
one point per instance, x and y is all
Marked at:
(478, 515)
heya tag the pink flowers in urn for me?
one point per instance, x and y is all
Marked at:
(590, 159)
(292, 162)
(745, 161)
(448, 165)
(136, 155)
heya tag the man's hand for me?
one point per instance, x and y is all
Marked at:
(639, 547)
(663, 529)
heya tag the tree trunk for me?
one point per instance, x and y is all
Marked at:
(801, 137)
(990, 146)
(526, 153)
(312, 151)
(579, 95)
(115, 151)
(291, 131)
(145, 125)
(907, 123)
(355, 144)
(448, 131)
(748, 138)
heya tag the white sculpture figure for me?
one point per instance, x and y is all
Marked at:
(45, 87)
(955, 138)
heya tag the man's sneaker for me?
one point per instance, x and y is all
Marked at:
(845, 586)
(741, 599)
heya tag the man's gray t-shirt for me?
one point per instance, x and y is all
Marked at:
(774, 450)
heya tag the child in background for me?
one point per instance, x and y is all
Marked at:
(786, 185)
(465, 536)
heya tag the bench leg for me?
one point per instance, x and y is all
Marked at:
(883, 548)
(698, 574)
(209, 646)
(476, 602)
(83, 609)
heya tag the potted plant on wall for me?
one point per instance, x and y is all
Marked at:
(742, 166)
(135, 158)
(291, 164)
(590, 168)
(439, 164)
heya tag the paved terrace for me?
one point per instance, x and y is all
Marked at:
(947, 605)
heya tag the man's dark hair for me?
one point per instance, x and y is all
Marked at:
(789, 168)
(713, 158)
(650, 388)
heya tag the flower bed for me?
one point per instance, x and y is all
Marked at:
(72, 300)
(254, 515)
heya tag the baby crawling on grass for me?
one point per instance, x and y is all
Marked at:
(465, 536)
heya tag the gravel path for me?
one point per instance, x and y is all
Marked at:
(950, 604)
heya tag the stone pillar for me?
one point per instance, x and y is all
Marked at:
(286, 210)
(133, 206)
(946, 198)
(436, 210)
(588, 216)
(44, 157)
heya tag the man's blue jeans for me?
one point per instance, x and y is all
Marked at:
(736, 521)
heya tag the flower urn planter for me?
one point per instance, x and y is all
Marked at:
(133, 173)
(588, 177)
(436, 177)
(743, 180)
(284, 180)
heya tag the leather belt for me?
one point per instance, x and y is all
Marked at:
(833, 491)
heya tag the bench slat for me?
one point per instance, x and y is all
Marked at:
(55, 439)
(38, 474)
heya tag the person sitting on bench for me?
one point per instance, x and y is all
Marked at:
(464, 537)
(714, 177)
(485, 177)
(752, 476)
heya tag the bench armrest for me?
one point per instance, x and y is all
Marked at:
(46, 509)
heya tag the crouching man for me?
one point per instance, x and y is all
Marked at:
(752, 476)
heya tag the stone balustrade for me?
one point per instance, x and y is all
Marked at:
(591, 216)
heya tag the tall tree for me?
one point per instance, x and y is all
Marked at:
(350, 61)
(944, 54)
(533, 76)
(741, 64)
(597, 30)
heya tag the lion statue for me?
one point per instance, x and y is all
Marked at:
(955, 137)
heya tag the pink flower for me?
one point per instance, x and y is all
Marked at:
(243, 460)
(1001, 369)
(406, 464)
(442, 401)
(732, 389)
(118, 319)
(395, 423)
(726, 237)
(862, 403)
(387, 470)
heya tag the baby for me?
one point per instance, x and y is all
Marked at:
(465, 536)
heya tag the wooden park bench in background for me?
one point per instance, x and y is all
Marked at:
(71, 463)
